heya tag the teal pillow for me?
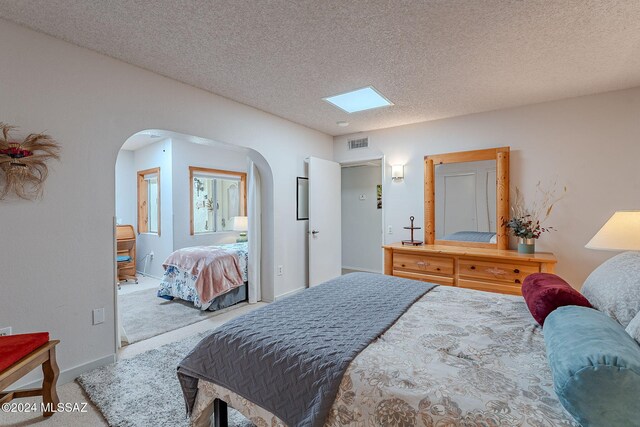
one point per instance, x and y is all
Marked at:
(595, 366)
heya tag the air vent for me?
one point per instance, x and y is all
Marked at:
(355, 144)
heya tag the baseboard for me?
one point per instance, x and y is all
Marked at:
(344, 267)
(71, 374)
(288, 294)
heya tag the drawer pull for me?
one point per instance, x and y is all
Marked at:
(438, 269)
(496, 271)
(517, 280)
(402, 265)
(516, 271)
(473, 267)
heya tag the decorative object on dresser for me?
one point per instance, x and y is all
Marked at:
(526, 223)
(23, 164)
(484, 269)
(412, 241)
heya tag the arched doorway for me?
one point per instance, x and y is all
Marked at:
(157, 162)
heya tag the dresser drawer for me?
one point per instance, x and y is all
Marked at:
(440, 280)
(496, 271)
(422, 263)
(501, 288)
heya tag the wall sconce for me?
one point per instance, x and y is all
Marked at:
(397, 173)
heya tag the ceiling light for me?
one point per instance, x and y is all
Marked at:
(366, 98)
(342, 124)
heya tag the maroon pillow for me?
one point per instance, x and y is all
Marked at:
(544, 292)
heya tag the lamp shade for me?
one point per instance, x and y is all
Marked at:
(239, 223)
(397, 172)
(620, 233)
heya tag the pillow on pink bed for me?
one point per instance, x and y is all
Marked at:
(544, 292)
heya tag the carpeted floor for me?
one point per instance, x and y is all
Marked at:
(144, 390)
(144, 315)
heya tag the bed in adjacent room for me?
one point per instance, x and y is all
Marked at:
(210, 277)
(395, 352)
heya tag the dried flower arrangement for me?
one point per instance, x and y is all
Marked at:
(526, 223)
(23, 164)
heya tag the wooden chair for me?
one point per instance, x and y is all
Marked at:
(126, 248)
(28, 360)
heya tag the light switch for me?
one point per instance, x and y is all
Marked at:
(98, 316)
(363, 197)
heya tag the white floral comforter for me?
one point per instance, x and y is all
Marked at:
(177, 283)
(457, 357)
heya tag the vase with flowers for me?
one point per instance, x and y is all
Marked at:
(526, 223)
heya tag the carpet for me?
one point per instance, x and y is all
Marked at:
(144, 390)
(144, 315)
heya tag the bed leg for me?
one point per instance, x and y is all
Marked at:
(220, 413)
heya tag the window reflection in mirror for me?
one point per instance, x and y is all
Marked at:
(465, 201)
(216, 198)
(153, 202)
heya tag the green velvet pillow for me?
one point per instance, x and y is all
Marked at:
(595, 366)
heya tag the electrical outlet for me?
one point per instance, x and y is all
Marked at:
(390, 230)
(98, 316)
(151, 254)
(5, 331)
(280, 270)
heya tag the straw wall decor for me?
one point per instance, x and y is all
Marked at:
(23, 167)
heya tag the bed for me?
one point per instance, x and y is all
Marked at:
(223, 288)
(472, 236)
(452, 357)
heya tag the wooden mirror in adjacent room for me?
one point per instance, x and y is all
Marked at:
(466, 198)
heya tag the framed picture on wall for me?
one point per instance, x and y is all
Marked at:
(302, 198)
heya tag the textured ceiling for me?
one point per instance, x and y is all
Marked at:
(432, 59)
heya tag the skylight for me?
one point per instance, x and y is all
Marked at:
(366, 98)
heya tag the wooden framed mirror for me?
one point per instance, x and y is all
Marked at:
(462, 207)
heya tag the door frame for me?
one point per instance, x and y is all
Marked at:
(383, 175)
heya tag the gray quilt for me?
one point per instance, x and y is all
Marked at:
(290, 356)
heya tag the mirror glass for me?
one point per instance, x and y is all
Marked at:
(216, 200)
(465, 201)
(302, 199)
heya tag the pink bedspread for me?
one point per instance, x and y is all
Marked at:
(217, 270)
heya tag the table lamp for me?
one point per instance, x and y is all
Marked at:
(241, 224)
(620, 233)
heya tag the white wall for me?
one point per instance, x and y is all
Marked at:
(187, 154)
(56, 254)
(126, 190)
(361, 219)
(156, 155)
(590, 144)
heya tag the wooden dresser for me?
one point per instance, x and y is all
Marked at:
(492, 270)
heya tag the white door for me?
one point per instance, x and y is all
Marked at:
(325, 229)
